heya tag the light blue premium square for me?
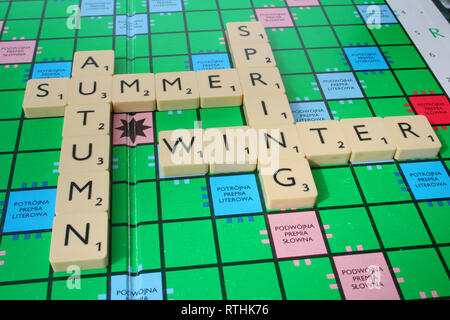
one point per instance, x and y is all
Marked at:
(235, 195)
(366, 58)
(210, 61)
(309, 111)
(52, 70)
(97, 8)
(379, 13)
(427, 180)
(339, 85)
(30, 210)
(164, 5)
(131, 26)
(146, 286)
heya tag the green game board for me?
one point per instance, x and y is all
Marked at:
(190, 237)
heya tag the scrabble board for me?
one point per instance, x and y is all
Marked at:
(379, 230)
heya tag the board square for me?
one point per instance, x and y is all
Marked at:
(316, 276)
(35, 169)
(365, 277)
(167, 22)
(221, 117)
(422, 272)
(251, 281)
(287, 38)
(28, 291)
(341, 15)
(20, 253)
(184, 198)
(92, 288)
(39, 134)
(437, 219)
(345, 237)
(296, 234)
(443, 134)
(380, 83)
(400, 225)
(8, 130)
(243, 239)
(189, 243)
(140, 204)
(371, 176)
(310, 16)
(347, 109)
(301, 87)
(196, 284)
(328, 60)
(329, 196)
(418, 82)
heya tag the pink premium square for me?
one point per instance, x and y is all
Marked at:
(274, 17)
(16, 51)
(365, 277)
(296, 234)
(132, 130)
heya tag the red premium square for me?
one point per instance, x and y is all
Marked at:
(435, 108)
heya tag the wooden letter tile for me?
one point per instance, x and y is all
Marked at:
(368, 139)
(414, 137)
(133, 92)
(246, 32)
(323, 142)
(288, 185)
(181, 152)
(85, 153)
(81, 192)
(80, 240)
(219, 88)
(261, 81)
(230, 149)
(177, 90)
(90, 90)
(279, 141)
(252, 55)
(267, 110)
(90, 119)
(93, 63)
(45, 97)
